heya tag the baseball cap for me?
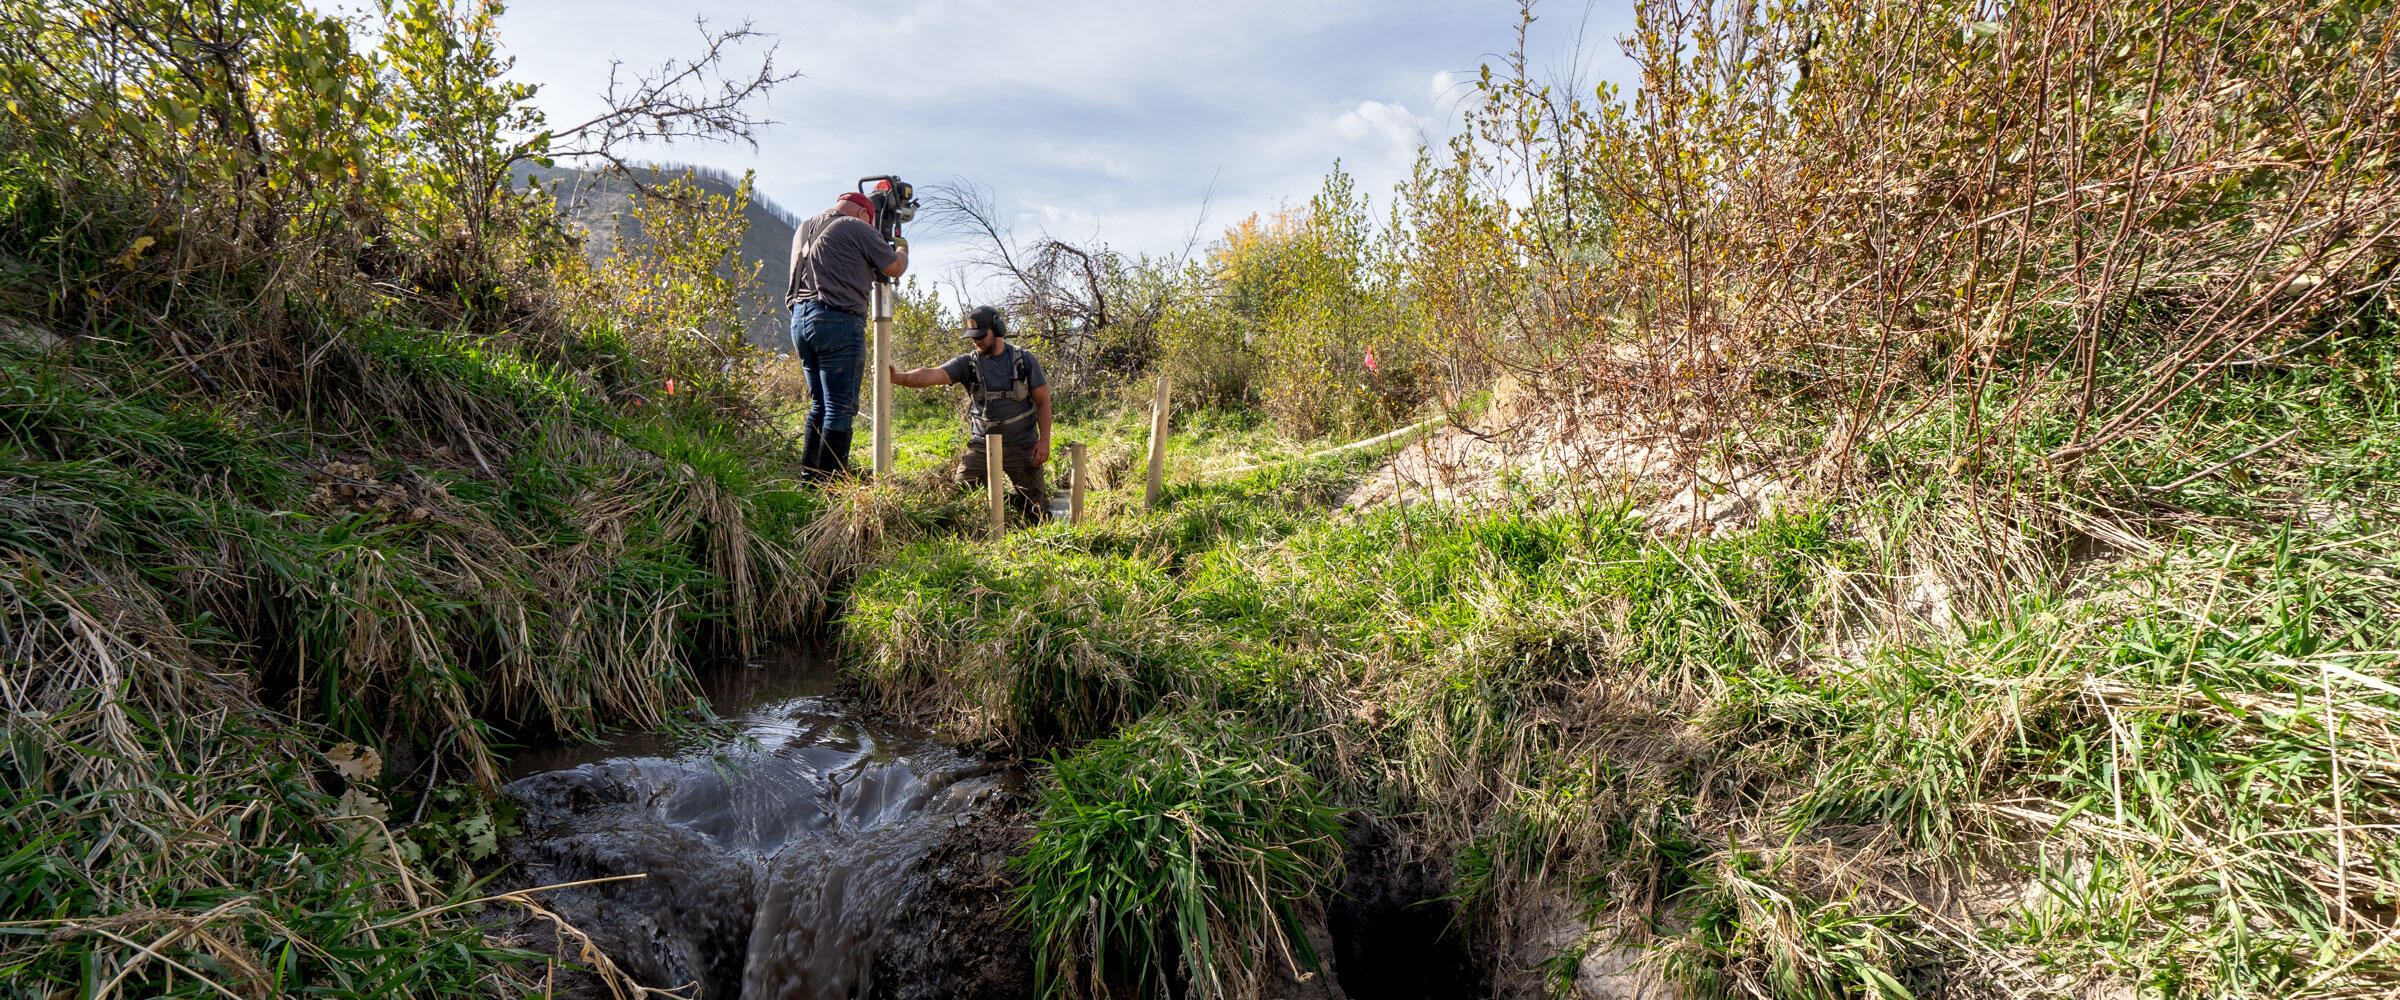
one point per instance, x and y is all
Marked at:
(861, 201)
(981, 319)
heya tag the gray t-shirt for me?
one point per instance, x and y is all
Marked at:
(990, 383)
(835, 258)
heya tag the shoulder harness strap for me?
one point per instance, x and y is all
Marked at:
(985, 394)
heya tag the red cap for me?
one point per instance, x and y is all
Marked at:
(861, 201)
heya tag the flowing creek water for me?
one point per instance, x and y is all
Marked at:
(801, 851)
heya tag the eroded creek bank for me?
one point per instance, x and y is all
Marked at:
(808, 849)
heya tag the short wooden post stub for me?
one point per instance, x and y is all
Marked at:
(1158, 445)
(999, 483)
(1075, 482)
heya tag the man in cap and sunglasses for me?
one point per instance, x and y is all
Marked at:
(835, 258)
(1006, 395)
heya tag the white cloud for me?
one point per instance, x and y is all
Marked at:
(1059, 220)
(1090, 158)
(1393, 122)
(1438, 89)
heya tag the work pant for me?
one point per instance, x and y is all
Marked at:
(1027, 493)
(831, 345)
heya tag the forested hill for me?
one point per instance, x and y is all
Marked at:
(599, 203)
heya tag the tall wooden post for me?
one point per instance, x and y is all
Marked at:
(883, 383)
(1075, 482)
(1158, 444)
(998, 482)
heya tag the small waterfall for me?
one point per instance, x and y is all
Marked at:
(778, 861)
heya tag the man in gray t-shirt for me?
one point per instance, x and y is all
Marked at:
(1008, 395)
(836, 258)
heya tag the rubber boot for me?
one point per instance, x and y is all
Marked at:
(812, 454)
(837, 453)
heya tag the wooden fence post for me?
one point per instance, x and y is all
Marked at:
(883, 385)
(998, 482)
(1075, 482)
(1158, 444)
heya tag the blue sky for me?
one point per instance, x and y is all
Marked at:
(1098, 121)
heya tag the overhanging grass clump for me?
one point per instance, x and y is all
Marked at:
(398, 591)
(1179, 852)
(1064, 648)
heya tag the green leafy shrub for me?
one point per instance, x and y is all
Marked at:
(1313, 324)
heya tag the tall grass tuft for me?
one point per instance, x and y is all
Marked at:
(167, 838)
(1178, 855)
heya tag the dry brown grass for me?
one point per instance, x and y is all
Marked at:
(1816, 224)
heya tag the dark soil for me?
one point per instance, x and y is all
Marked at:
(964, 941)
(1394, 935)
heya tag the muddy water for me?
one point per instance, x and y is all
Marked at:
(795, 852)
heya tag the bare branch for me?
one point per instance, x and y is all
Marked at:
(1059, 292)
(967, 210)
(680, 99)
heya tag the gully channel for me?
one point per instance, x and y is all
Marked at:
(801, 850)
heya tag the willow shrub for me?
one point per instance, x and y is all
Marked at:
(1812, 221)
(1308, 319)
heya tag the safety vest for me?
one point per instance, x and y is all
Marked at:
(1018, 390)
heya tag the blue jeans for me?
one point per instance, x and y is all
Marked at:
(831, 345)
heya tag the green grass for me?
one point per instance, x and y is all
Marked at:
(320, 595)
(1763, 756)
(928, 431)
(214, 849)
(1179, 846)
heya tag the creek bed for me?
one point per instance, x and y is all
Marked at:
(803, 850)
